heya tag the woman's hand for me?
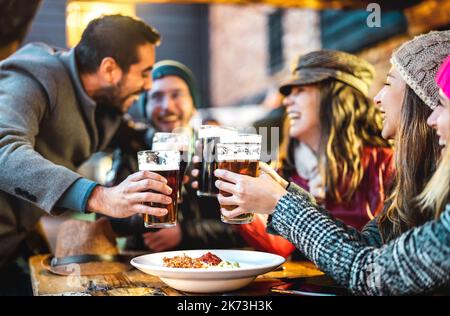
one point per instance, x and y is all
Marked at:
(265, 168)
(249, 194)
(195, 172)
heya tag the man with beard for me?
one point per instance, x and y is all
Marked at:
(170, 106)
(57, 108)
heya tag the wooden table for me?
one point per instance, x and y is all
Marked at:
(137, 283)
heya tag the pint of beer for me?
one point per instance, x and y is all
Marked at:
(209, 136)
(239, 154)
(174, 141)
(167, 164)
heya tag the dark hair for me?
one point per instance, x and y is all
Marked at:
(15, 19)
(416, 156)
(115, 36)
(350, 121)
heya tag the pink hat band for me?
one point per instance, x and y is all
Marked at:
(443, 77)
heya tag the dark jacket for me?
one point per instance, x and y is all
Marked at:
(49, 126)
(199, 218)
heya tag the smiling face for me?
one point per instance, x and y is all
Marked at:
(123, 89)
(440, 119)
(303, 114)
(138, 78)
(390, 100)
(170, 104)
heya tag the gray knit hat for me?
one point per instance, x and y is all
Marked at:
(324, 64)
(418, 61)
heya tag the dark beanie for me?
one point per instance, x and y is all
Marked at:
(174, 68)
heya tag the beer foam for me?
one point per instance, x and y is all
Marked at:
(153, 167)
(170, 146)
(207, 131)
(171, 138)
(167, 135)
(162, 160)
(241, 139)
(238, 152)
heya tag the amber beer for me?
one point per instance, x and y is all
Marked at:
(209, 135)
(174, 141)
(167, 164)
(239, 154)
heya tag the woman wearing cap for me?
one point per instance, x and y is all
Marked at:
(334, 149)
(405, 251)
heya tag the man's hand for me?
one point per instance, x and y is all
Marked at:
(195, 173)
(164, 239)
(196, 159)
(128, 197)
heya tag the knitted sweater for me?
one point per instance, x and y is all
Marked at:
(418, 261)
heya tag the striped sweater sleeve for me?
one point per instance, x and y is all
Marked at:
(369, 235)
(416, 262)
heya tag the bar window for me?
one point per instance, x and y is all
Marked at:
(275, 41)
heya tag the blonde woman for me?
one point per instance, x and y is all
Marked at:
(434, 196)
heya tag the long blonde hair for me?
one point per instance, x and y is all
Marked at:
(436, 193)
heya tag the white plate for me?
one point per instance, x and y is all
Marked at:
(211, 280)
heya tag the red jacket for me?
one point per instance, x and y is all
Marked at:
(366, 203)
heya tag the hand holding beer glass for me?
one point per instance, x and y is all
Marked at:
(239, 154)
(167, 164)
(209, 136)
(174, 141)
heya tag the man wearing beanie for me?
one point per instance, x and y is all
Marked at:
(174, 97)
(170, 106)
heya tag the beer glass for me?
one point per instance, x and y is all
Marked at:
(239, 154)
(167, 164)
(209, 135)
(174, 141)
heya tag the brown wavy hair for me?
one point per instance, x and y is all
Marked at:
(349, 121)
(416, 157)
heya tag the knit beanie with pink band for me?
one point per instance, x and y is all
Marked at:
(418, 61)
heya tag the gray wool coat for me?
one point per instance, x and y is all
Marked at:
(48, 128)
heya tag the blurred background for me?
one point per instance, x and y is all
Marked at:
(241, 50)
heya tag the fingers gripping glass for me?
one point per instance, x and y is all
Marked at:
(174, 141)
(239, 154)
(167, 164)
(209, 136)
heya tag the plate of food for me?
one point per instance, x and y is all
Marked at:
(207, 271)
